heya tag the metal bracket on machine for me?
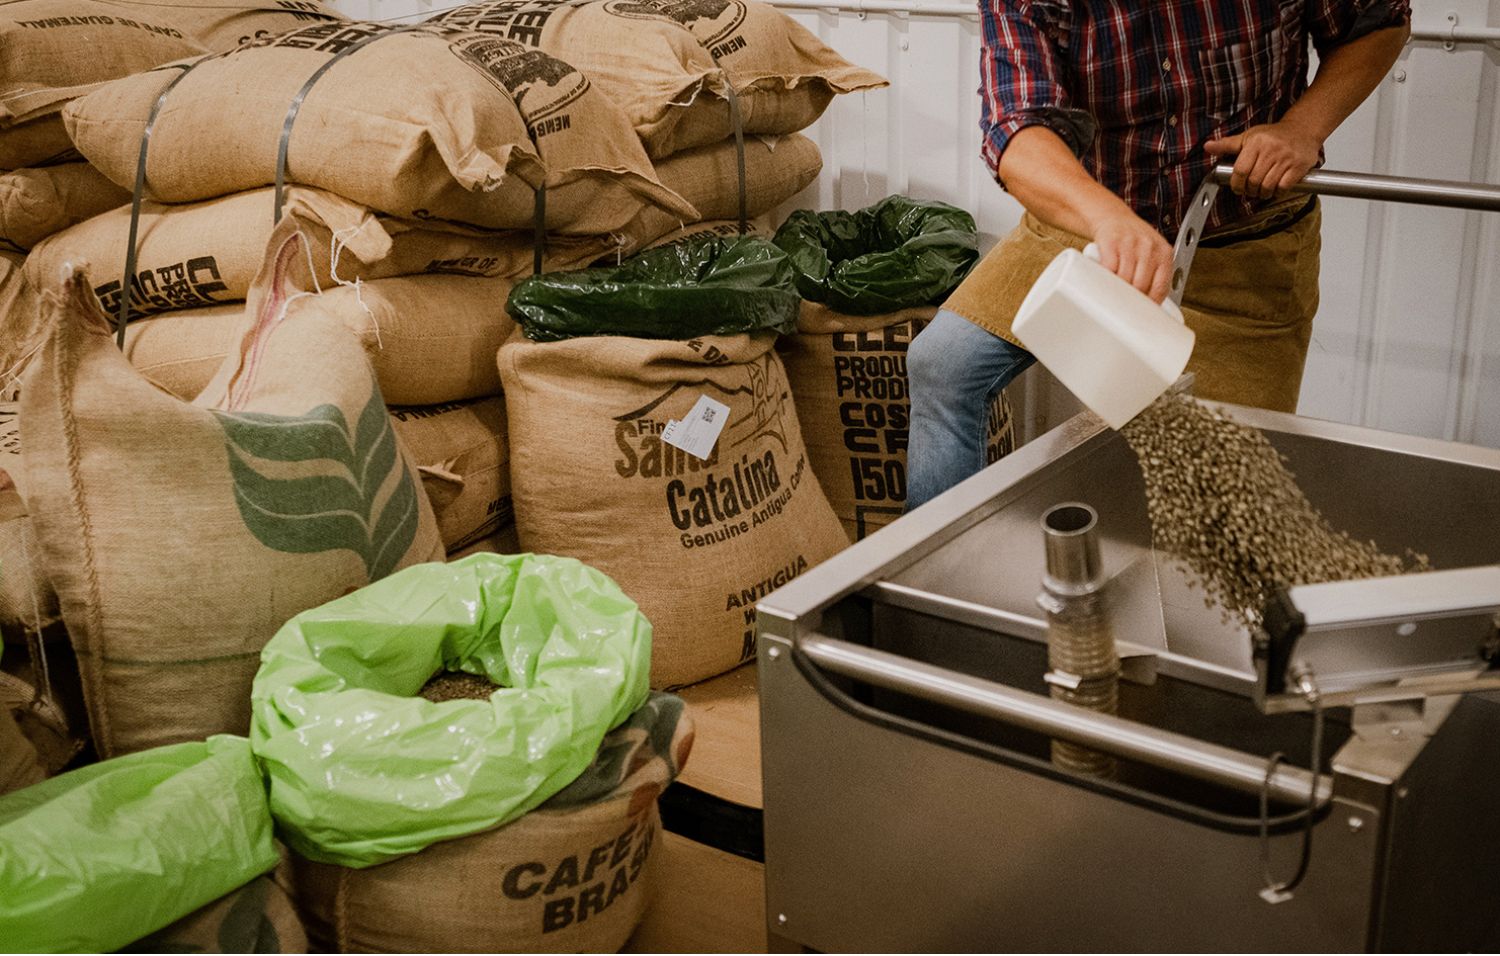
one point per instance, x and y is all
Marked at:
(1381, 640)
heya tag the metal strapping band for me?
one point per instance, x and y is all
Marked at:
(127, 284)
(296, 105)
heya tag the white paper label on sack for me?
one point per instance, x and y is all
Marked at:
(697, 433)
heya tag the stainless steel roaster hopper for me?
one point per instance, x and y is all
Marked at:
(910, 804)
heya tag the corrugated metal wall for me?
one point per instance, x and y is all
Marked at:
(1408, 334)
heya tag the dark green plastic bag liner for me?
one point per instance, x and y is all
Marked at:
(705, 286)
(363, 771)
(97, 858)
(896, 254)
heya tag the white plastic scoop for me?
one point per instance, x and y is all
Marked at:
(1104, 339)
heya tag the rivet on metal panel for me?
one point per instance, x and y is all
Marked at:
(1400, 76)
(773, 652)
(1402, 793)
(1356, 824)
(780, 919)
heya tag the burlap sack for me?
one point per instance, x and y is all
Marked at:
(28, 604)
(574, 875)
(462, 453)
(206, 253)
(20, 323)
(724, 228)
(694, 543)
(504, 541)
(35, 203)
(425, 123)
(39, 142)
(776, 169)
(226, 24)
(54, 50)
(19, 766)
(256, 918)
(430, 338)
(282, 488)
(654, 69)
(181, 352)
(784, 75)
(848, 376)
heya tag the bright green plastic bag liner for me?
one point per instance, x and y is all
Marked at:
(363, 771)
(705, 286)
(896, 254)
(97, 858)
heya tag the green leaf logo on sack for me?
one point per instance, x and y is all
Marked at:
(305, 484)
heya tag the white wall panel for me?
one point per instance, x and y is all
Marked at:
(1408, 331)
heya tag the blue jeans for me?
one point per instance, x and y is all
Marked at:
(955, 368)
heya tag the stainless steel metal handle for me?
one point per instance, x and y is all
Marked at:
(1115, 735)
(1427, 192)
(1325, 182)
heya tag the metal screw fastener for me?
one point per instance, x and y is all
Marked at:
(773, 653)
(780, 919)
(1356, 824)
(1400, 76)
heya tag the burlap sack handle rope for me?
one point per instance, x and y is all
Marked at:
(296, 107)
(127, 284)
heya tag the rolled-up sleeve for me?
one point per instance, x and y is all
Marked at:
(1333, 23)
(1023, 78)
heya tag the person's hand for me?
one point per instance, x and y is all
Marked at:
(1135, 252)
(1270, 159)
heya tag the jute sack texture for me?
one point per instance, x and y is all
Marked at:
(27, 601)
(285, 481)
(694, 542)
(653, 60)
(20, 323)
(35, 203)
(207, 253)
(430, 338)
(19, 766)
(784, 75)
(54, 50)
(504, 541)
(848, 374)
(776, 169)
(36, 142)
(427, 123)
(574, 875)
(182, 351)
(256, 918)
(723, 228)
(462, 453)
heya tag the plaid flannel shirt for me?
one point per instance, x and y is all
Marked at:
(1137, 88)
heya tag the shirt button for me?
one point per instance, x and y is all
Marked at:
(1167, 64)
(1171, 121)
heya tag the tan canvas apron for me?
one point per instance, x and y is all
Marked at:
(1250, 301)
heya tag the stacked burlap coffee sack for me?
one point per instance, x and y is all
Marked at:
(283, 486)
(869, 281)
(52, 51)
(574, 875)
(675, 67)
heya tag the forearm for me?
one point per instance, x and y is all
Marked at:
(1346, 76)
(1040, 170)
